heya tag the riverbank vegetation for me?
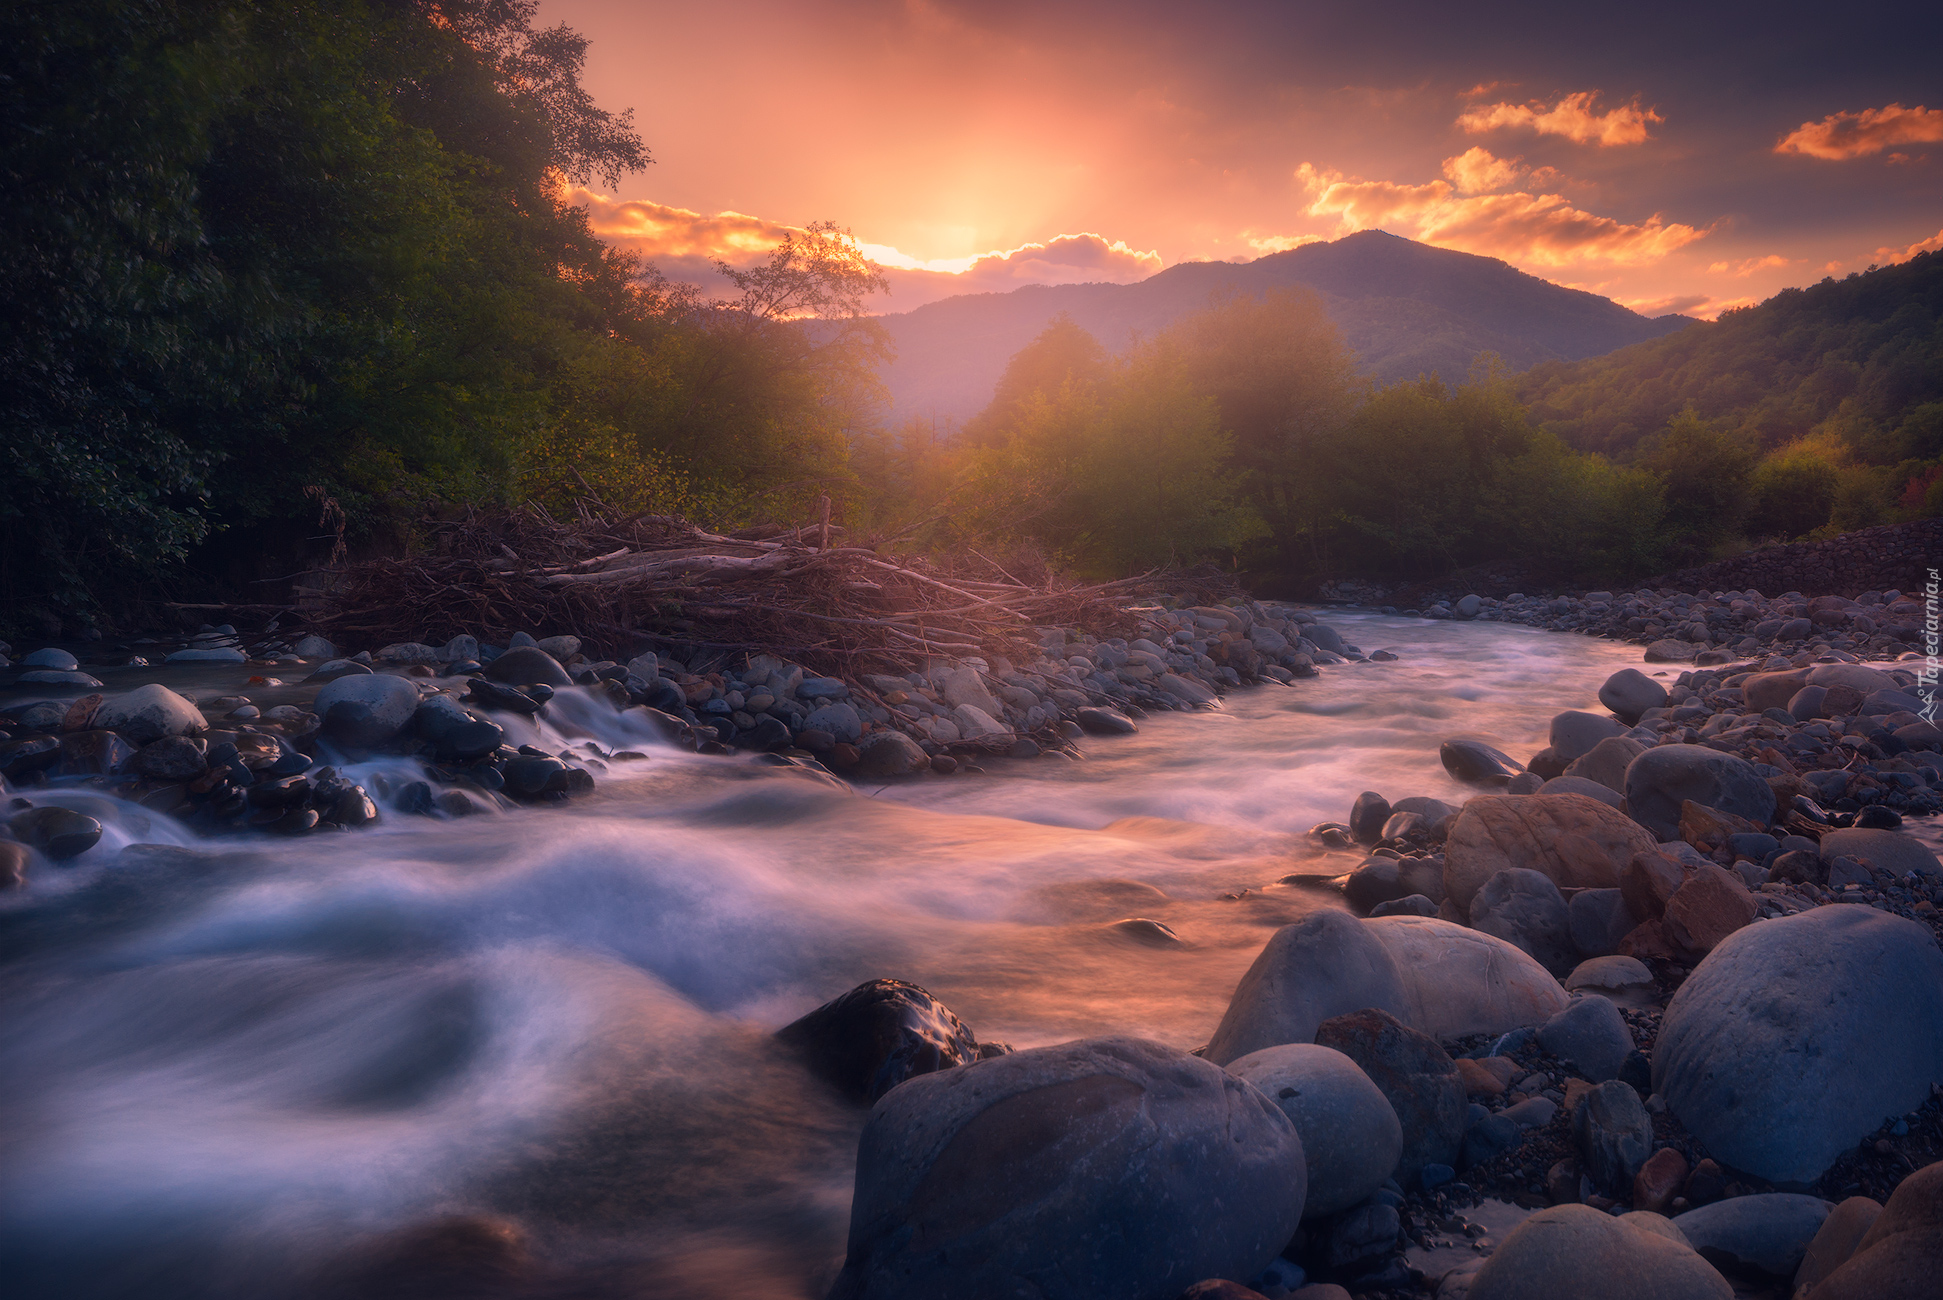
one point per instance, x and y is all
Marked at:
(296, 283)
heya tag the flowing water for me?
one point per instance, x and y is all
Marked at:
(232, 1066)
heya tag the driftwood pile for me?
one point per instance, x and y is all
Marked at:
(805, 595)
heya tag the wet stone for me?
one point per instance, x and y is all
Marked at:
(879, 1034)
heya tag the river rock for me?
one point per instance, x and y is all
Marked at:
(964, 686)
(1351, 1139)
(314, 647)
(1367, 815)
(1574, 734)
(332, 669)
(1070, 1172)
(973, 722)
(1630, 693)
(1891, 851)
(172, 758)
(1437, 814)
(1599, 919)
(1476, 763)
(1767, 1234)
(1415, 1075)
(839, 719)
(525, 665)
(1105, 722)
(1580, 786)
(1378, 880)
(14, 858)
(1605, 764)
(1794, 1037)
(1764, 691)
(1614, 1133)
(149, 713)
(1710, 904)
(1576, 1252)
(560, 648)
(50, 657)
(891, 754)
(1324, 965)
(1859, 678)
(1458, 981)
(1661, 779)
(1579, 842)
(1524, 908)
(879, 1034)
(366, 711)
(1607, 975)
(60, 833)
(1591, 1033)
(1841, 1232)
(1408, 905)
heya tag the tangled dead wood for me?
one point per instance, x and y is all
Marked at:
(840, 609)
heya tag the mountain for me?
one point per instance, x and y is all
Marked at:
(1863, 355)
(1405, 309)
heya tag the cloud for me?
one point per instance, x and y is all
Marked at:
(1529, 229)
(1704, 306)
(1572, 117)
(1772, 261)
(1266, 244)
(685, 246)
(1891, 256)
(1479, 171)
(1841, 136)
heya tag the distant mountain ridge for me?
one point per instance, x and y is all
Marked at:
(1405, 308)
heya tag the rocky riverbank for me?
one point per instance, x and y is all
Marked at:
(265, 751)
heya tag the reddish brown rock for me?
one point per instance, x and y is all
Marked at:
(1220, 1288)
(1712, 904)
(1578, 841)
(1648, 940)
(1565, 1182)
(13, 864)
(1647, 881)
(1900, 1257)
(1708, 828)
(1840, 1233)
(80, 714)
(1659, 1180)
(1765, 691)
(1706, 1184)
(1480, 1081)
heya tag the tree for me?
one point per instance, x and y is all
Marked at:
(1704, 471)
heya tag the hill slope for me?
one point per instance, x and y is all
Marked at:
(1405, 308)
(1865, 353)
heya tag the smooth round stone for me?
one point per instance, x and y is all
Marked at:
(1892, 851)
(51, 657)
(1524, 908)
(1580, 842)
(1573, 734)
(1327, 964)
(1577, 1252)
(1609, 975)
(523, 665)
(60, 833)
(1795, 1037)
(58, 677)
(366, 710)
(888, 755)
(1664, 777)
(1458, 981)
(149, 713)
(211, 655)
(1592, 1033)
(1070, 1172)
(1351, 1139)
(879, 1034)
(1900, 1255)
(1759, 1234)
(1630, 693)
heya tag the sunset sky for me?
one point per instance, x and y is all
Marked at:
(1682, 157)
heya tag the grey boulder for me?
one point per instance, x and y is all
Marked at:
(1351, 1139)
(1107, 1166)
(1573, 1252)
(1591, 1033)
(1662, 778)
(366, 711)
(1615, 1135)
(525, 665)
(1523, 907)
(149, 713)
(1795, 1037)
(1326, 964)
(1630, 693)
(1767, 1234)
(1891, 851)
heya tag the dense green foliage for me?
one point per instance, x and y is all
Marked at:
(265, 254)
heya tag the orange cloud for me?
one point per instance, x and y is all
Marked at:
(1701, 305)
(1572, 117)
(1891, 256)
(1529, 229)
(1841, 136)
(1266, 244)
(1751, 265)
(685, 245)
(1478, 170)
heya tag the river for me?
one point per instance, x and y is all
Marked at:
(229, 1064)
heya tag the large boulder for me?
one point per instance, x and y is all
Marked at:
(1351, 1138)
(366, 711)
(1615, 1135)
(1630, 693)
(1324, 965)
(1605, 764)
(1766, 1234)
(1574, 734)
(1858, 677)
(1891, 851)
(1578, 841)
(1107, 1166)
(149, 713)
(1591, 1033)
(1841, 1232)
(892, 754)
(1524, 908)
(1794, 1037)
(1476, 763)
(1415, 1075)
(1663, 778)
(1458, 981)
(1575, 1251)
(1900, 1257)
(1764, 691)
